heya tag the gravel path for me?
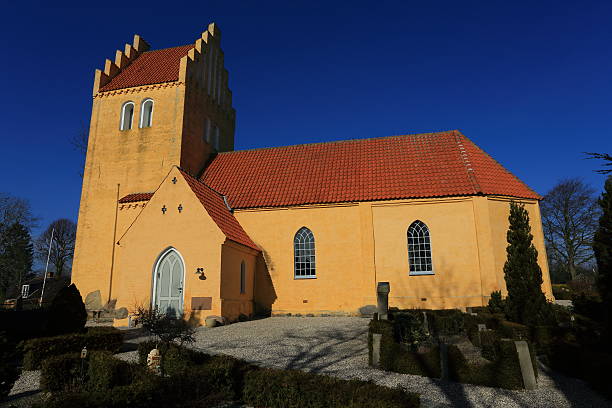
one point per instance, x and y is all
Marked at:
(25, 391)
(338, 346)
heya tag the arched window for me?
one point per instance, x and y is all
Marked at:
(216, 136)
(242, 277)
(146, 113)
(419, 249)
(127, 115)
(304, 254)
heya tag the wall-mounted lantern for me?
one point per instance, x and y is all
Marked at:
(200, 271)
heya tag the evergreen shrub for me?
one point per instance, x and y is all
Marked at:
(67, 312)
(496, 303)
(8, 368)
(294, 389)
(95, 338)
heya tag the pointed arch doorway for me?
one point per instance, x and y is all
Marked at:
(168, 281)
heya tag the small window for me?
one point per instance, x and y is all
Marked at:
(127, 115)
(25, 291)
(146, 113)
(242, 277)
(304, 254)
(216, 135)
(206, 134)
(419, 249)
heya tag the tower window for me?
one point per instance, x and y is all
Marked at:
(419, 249)
(146, 113)
(304, 254)
(217, 137)
(127, 115)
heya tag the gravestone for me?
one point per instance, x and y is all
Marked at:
(529, 380)
(382, 291)
(376, 337)
(154, 361)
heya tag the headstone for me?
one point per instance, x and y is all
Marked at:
(154, 361)
(382, 291)
(93, 301)
(425, 323)
(482, 327)
(529, 380)
(443, 361)
(376, 340)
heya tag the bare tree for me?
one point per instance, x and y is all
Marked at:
(16, 210)
(605, 157)
(569, 218)
(62, 249)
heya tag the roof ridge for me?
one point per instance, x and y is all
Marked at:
(465, 159)
(200, 181)
(450, 132)
(166, 48)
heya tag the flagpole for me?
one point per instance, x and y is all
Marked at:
(42, 292)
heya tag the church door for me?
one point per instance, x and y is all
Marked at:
(168, 286)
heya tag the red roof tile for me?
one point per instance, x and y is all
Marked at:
(218, 211)
(130, 198)
(386, 168)
(150, 67)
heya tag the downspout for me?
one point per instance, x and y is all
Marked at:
(110, 281)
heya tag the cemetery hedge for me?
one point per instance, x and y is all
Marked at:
(204, 380)
(95, 338)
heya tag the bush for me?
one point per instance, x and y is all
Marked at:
(8, 368)
(166, 327)
(67, 313)
(589, 306)
(504, 372)
(16, 330)
(174, 357)
(96, 338)
(63, 372)
(399, 357)
(446, 322)
(496, 303)
(409, 328)
(561, 291)
(105, 371)
(293, 389)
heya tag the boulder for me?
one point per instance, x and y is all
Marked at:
(93, 301)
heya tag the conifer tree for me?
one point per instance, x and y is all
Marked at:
(525, 303)
(602, 246)
(16, 254)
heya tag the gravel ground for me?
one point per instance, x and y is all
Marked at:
(25, 391)
(338, 346)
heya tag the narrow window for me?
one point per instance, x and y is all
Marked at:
(146, 113)
(217, 138)
(242, 277)
(206, 134)
(127, 115)
(304, 254)
(419, 249)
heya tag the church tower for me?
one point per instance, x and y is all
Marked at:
(152, 109)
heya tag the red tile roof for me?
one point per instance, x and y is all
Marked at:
(150, 67)
(131, 198)
(218, 211)
(386, 168)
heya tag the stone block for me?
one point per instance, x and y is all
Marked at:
(93, 301)
(529, 380)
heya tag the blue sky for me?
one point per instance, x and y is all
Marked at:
(529, 82)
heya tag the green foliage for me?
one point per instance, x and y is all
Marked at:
(526, 302)
(589, 306)
(496, 303)
(503, 372)
(446, 322)
(67, 313)
(8, 368)
(63, 372)
(562, 292)
(16, 256)
(105, 371)
(409, 328)
(295, 389)
(96, 338)
(602, 246)
(401, 358)
(166, 327)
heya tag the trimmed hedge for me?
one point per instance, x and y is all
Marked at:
(219, 378)
(446, 322)
(504, 372)
(294, 389)
(96, 338)
(62, 372)
(399, 358)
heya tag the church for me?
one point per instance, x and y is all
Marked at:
(172, 217)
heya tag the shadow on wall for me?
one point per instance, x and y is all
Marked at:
(264, 294)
